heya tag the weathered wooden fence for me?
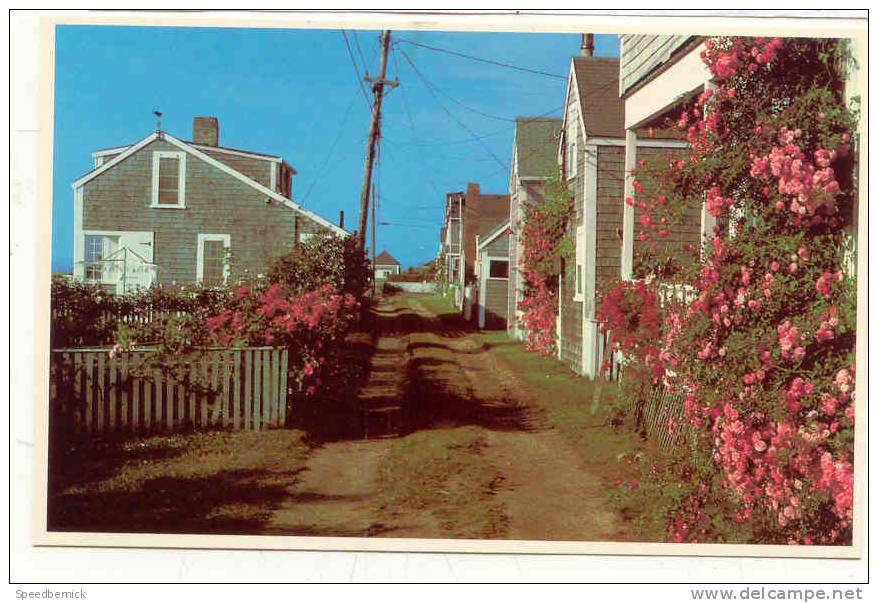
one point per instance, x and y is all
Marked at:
(94, 391)
(662, 416)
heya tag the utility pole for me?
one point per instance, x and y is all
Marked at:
(373, 238)
(374, 132)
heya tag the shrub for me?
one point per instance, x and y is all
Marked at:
(323, 260)
(81, 314)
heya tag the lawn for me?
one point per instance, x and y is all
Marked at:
(440, 305)
(212, 482)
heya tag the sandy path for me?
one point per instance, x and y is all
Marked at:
(548, 491)
(336, 493)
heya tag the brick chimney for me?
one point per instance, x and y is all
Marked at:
(205, 130)
(586, 47)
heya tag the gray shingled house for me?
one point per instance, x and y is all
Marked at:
(592, 158)
(165, 210)
(534, 160)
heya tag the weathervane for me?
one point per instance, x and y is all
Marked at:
(158, 124)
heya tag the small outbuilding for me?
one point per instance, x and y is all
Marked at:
(386, 265)
(492, 274)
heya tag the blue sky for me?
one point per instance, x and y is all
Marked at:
(294, 93)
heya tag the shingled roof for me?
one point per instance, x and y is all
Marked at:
(492, 210)
(385, 259)
(602, 108)
(536, 145)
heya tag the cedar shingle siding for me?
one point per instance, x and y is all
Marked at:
(682, 238)
(611, 170)
(216, 203)
(642, 55)
(495, 304)
(257, 169)
(496, 289)
(571, 319)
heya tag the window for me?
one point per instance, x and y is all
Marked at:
(168, 179)
(97, 248)
(94, 253)
(304, 237)
(498, 269)
(213, 258)
(455, 267)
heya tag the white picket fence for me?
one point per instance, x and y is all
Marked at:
(93, 391)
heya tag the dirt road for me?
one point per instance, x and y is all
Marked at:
(429, 378)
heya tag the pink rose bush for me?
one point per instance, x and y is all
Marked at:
(543, 243)
(309, 324)
(763, 353)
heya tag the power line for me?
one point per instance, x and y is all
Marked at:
(335, 142)
(469, 140)
(538, 147)
(356, 69)
(412, 126)
(429, 87)
(436, 143)
(471, 109)
(360, 52)
(482, 60)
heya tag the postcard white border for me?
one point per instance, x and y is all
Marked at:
(556, 23)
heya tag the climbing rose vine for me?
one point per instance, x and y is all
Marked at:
(764, 352)
(544, 244)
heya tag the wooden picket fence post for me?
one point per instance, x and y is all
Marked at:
(94, 392)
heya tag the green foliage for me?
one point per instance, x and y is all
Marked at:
(545, 228)
(417, 274)
(81, 314)
(323, 259)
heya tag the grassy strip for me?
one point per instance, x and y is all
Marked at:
(575, 406)
(211, 482)
(440, 305)
(443, 471)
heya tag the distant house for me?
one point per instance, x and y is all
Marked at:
(534, 160)
(492, 274)
(386, 265)
(593, 162)
(450, 237)
(165, 210)
(467, 214)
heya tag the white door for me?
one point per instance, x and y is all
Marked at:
(140, 269)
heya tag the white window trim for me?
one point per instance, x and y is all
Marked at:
(181, 179)
(579, 265)
(199, 259)
(496, 258)
(572, 141)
